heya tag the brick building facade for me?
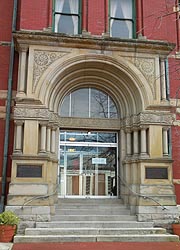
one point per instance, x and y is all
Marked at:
(106, 69)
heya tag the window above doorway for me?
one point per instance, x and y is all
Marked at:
(88, 103)
(67, 16)
(122, 20)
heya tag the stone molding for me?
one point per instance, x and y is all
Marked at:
(161, 118)
(42, 114)
(93, 42)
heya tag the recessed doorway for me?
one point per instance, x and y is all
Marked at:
(88, 163)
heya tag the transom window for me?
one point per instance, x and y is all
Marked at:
(67, 17)
(88, 103)
(121, 18)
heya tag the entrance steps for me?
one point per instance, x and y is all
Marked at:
(92, 220)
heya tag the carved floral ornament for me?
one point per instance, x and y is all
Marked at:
(140, 119)
(42, 59)
(147, 68)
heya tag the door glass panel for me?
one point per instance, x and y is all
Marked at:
(72, 174)
(88, 163)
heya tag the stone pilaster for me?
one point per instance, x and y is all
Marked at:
(18, 136)
(163, 79)
(22, 71)
(43, 138)
(165, 141)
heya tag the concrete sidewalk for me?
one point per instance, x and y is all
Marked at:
(6, 246)
(98, 246)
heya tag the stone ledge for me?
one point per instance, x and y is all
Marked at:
(28, 189)
(27, 210)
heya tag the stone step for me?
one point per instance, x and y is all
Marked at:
(93, 218)
(93, 231)
(100, 238)
(91, 201)
(94, 224)
(89, 206)
(95, 211)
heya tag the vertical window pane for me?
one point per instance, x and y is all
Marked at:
(80, 103)
(121, 9)
(99, 104)
(65, 106)
(121, 29)
(66, 16)
(66, 25)
(121, 22)
(112, 109)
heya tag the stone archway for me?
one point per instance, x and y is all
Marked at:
(132, 81)
(120, 78)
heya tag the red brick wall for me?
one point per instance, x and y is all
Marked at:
(96, 16)
(34, 14)
(157, 24)
(4, 62)
(176, 158)
(6, 11)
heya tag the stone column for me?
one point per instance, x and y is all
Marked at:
(163, 79)
(43, 138)
(143, 141)
(135, 142)
(165, 141)
(128, 142)
(18, 136)
(48, 139)
(53, 140)
(22, 71)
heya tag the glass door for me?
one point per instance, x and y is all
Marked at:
(73, 174)
(88, 168)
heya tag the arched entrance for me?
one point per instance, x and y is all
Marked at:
(130, 79)
(88, 158)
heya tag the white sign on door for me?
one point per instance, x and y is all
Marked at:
(98, 160)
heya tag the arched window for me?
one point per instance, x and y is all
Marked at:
(88, 103)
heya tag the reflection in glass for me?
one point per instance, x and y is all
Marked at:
(99, 104)
(88, 167)
(65, 107)
(77, 136)
(88, 103)
(122, 29)
(79, 103)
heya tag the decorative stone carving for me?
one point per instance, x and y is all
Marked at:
(161, 118)
(148, 118)
(147, 68)
(31, 113)
(42, 59)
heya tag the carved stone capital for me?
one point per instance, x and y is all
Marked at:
(166, 128)
(23, 48)
(19, 122)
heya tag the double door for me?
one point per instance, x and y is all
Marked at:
(88, 169)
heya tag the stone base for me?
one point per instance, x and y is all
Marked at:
(162, 216)
(29, 215)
